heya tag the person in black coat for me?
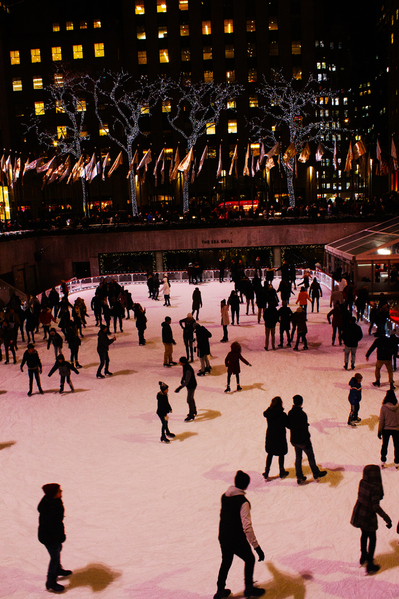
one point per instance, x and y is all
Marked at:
(141, 321)
(385, 350)
(31, 358)
(168, 342)
(103, 343)
(300, 439)
(187, 324)
(163, 409)
(55, 340)
(203, 348)
(64, 369)
(189, 381)
(234, 303)
(351, 335)
(285, 317)
(276, 438)
(52, 533)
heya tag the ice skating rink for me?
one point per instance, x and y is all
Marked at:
(141, 517)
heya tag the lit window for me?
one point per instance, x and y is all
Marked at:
(183, 4)
(99, 51)
(141, 32)
(35, 55)
(273, 23)
(392, 38)
(186, 78)
(321, 44)
(142, 57)
(230, 76)
(96, 24)
(139, 8)
(252, 75)
(81, 105)
(58, 79)
(319, 77)
(37, 83)
(14, 57)
(77, 51)
(184, 29)
(17, 85)
(296, 47)
(166, 106)
(39, 108)
(162, 31)
(255, 149)
(69, 26)
(345, 101)
(251, 25)
(161, 6)
(56, 53)
(210, 130)
(297, 73)
(103, 130)
(251, 50)
(185, 54)
(206, 28)
(164, 55)
(253, 101)
(323, 65)
(61, 131)
(273, 49)
(83, 133)
(318, 65)
(228, 26)
(229, 51)
(231, 104)
(59, 108)
(56, 27)
(232, 126)
(145, 109)
(83, 25)
(207, 52)
(208, 76)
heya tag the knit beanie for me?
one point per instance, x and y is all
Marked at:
(163, 386)
(51, 489)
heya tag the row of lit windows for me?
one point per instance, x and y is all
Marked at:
(161, 6)
(206, 30)
(56, 53)
(320, 44)
(69, 26)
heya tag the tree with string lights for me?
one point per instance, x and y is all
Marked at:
(289, 115)
(194, 108)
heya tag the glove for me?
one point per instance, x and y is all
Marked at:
(397, 528)
(380, 435)
(389, 523)
(178, 389)
(260, 553)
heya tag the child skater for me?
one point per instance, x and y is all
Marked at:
(163, 409)
(364, 515)
(232, 362)
(65, 371)
(354, 398)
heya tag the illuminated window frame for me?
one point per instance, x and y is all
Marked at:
(161, 6)
(183, 4)
(102, 131)
(16, 85)
(228, 26)
(69, 26)
(96, 24)
(56, 27)
(77, 50)
(14, 57)
(206, 28)
(56, 53)
(35, 55)
(232, 126)
(140, 32)
(39, 108)
(163, 55)
(139, 8)
(184, 29)
(142, 57)
(99, 50)
(37, 83)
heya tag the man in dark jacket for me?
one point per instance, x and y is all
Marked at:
(190, 382)
(299, 323)
(300, 439)
(385, 350)
(31, 358)
(203, 348)
(236, 536)
(168, 342)
(351, 336)
(103, 344)
(52, 533)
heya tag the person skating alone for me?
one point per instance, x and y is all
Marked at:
(64, 369)
(364, 515)
(197, 302)
(55, 340)
(388, 426)
(32, 360)
(299, 322)
(300, 439)
(187, 324)
(103, 343)
(203, 348)
(190, 382)
(225, 320)
(163, 409)
(168, 342)
(354, 398)
(232, 362)
(236, 536)
(385, 350)
(276, 436)
(52, 533)
(351, 335)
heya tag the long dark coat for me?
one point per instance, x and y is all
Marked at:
(276, 437)
(51, 525)
(367, 507)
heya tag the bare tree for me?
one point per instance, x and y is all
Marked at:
(195, 107)
(65, 96)
(289, 115)
(127, 102)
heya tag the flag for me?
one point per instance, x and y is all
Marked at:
(29, 166)
(305, 154)
(16, 170)
(289, 153)
(261, 155)
(219, 171)
(234, 162)
(95, 171)
(46, 166)
(173, 171)
(193, 171)
(319, 152)
(160, 157)
(105, 162)
(134, 161)
(274, 151)
(394, 155)
(252, 166)
(118, 161)
(203, 158)
(349, 158)
(75, 172)
(163, 170)
(270, 163)
(89, 167)
(246, 169)
(335, 161)
(67, 169)
(184, 165)
(358, 150)
(145, 161)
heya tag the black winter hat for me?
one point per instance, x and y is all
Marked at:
(51, 489)
(163, 386)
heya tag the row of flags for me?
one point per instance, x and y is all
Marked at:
(60, 170)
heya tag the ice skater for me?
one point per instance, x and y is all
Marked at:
(163, 409)
(232, 361)
(354, 398)
(364, 515)
(190, 382)
(31, 358)
(168, 342)
(388, 426)
(236, 536)
(103, 343)
(187, 324)
(197, 302)
(385, 351)
(52, 533)
(276, 436)
(225, 320)
(64, 369)
(55, 340)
